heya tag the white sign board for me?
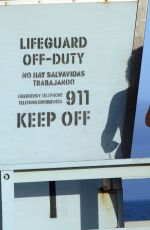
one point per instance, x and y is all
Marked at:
(63, 81)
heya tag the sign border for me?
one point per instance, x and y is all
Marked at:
(29, 2)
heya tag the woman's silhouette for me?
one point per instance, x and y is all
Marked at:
(122, 111)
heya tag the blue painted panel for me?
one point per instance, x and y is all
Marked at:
(141, 138)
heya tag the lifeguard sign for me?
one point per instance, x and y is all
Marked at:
(63, 80)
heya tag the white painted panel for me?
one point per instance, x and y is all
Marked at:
(91, 129)
(77, 206)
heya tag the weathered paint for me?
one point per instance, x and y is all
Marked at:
(13, 2)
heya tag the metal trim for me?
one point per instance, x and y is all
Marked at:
(71, 165)
(30, 2)
(124, 172)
